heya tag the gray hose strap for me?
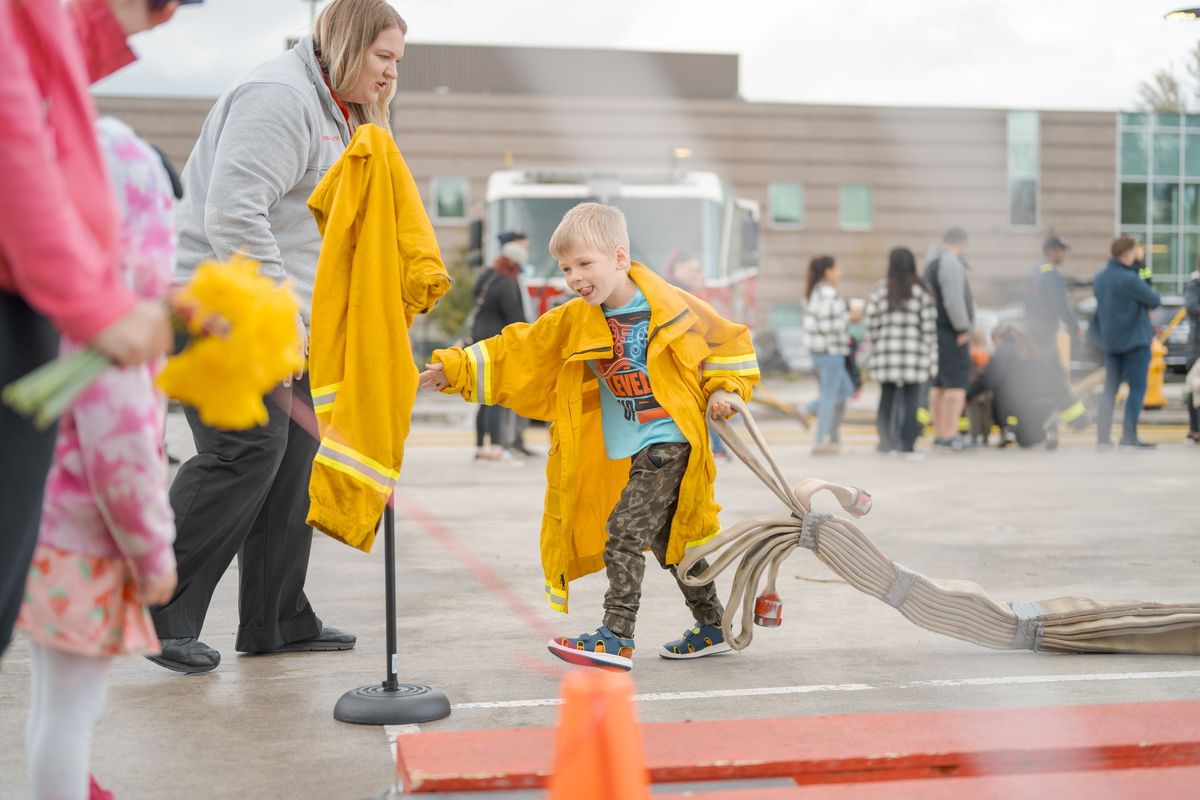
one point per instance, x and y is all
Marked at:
(810, 528)
(897, 593)
(1031, 621)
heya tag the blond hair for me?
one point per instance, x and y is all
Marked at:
(344, 32)
(592, 225)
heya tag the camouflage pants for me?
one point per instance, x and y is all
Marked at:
(641, 519)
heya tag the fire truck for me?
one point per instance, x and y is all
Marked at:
(686, 226)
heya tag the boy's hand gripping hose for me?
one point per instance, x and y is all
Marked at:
(951, 607)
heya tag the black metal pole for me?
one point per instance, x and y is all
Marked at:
(389, 578)
(391, 702)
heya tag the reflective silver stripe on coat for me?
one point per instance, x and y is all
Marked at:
(481, 371)
(324, 398)
(735, 365)
(356, 465)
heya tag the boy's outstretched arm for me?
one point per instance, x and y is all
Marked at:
(518, 368)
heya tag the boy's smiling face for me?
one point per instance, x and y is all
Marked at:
(599, 278)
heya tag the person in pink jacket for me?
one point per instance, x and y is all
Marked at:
(59, 237)
(104, 548)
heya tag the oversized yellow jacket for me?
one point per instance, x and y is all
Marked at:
(539, 371)
(379, 267)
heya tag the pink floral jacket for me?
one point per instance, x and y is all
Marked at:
(58, 221)
(106, 494)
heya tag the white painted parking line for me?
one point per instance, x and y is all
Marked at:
(1028, 679)
(394, 731)
(1000, 680)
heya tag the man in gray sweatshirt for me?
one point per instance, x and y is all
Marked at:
(946, 275)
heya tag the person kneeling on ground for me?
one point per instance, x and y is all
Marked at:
(1023, 407)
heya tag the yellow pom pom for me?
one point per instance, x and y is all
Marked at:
(224, 376)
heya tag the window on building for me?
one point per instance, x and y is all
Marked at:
(858, 208)
(1158, 175)
(1024, 168)
(450, 197)
(785, 205)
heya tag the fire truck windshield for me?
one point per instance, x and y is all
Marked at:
(663, 231)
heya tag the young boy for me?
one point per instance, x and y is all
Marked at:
(624, 372)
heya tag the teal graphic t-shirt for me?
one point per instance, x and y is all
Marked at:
(631, 416)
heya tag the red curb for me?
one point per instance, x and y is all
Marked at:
(839, 749)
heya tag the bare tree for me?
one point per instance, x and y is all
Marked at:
(1163, 92)
(1193, 69)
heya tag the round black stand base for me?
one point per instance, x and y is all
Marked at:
(408, 703)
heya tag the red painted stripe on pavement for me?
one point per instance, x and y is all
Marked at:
(482, 573)
(1172, 783)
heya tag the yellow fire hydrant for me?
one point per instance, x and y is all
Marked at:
(1154, 379)
(1158, 364)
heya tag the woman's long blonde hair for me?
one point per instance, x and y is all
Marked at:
(343, 34)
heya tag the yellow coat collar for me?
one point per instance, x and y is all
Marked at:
(591, 337)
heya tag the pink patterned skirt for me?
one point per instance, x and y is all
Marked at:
(86, 605)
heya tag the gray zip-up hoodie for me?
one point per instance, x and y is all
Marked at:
(956, 307)
(264, 147)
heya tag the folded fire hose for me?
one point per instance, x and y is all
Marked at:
(956, 608)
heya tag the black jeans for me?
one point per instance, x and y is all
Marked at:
(245, 493)
(489, 422)
(1193, 411)
(896, 420)
(27, 340)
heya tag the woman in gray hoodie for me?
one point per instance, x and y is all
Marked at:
(264, 147)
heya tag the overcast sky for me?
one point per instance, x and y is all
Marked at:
(1070, 54)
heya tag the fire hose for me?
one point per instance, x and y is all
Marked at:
(957, 608)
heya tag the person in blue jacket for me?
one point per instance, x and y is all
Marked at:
(1121, 328)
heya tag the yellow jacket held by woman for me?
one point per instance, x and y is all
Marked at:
(539, 370)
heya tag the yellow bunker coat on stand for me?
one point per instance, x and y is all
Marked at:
(379, 267)
(539, 370)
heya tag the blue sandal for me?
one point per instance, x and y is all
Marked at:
(697, 641)
(600, 648)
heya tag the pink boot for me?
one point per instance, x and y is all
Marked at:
(95, 792)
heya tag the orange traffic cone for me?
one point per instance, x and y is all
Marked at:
(598, 749)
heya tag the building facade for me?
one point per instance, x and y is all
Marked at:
(849, 181)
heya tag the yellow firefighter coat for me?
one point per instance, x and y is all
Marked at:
(379, 267)
(539, 371)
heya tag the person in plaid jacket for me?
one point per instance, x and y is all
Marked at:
(825, 322)
(901, 322)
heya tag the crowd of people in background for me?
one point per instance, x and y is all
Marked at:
(929, 355)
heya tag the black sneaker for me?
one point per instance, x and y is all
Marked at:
(186, 655)
(1138, 444)
(1051, 430)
